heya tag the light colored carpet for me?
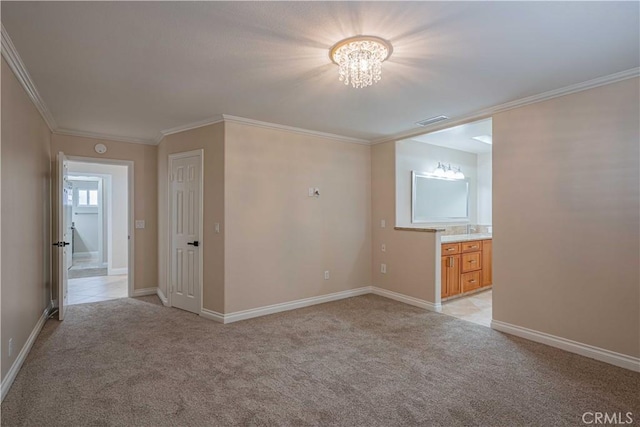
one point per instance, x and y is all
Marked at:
(364, 361)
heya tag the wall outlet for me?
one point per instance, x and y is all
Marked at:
(326, 275)
(383, 223)
(383, 268)
(140, 223)
(383, 248)
(10, 350)
(217, 227)
(311, 191)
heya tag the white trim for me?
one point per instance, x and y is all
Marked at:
(212, 315)
(601, 354)
(163, 298)
(7, 382)
(144, 292)
(193, 125)
(200, 153)
(488, 112)
(291, 305)
(17, 66)
(257, 123)
(108, 137)
(117, 271)
(131, 207)
(406, 299)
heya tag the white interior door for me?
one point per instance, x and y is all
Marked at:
(186, 244)
(65, 201)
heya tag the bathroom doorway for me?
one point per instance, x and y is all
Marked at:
(444, 182)
(99, 224)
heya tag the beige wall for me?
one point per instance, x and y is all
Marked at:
(410, 256)
(211, 139)
(144, 158)
(26, 272)
(566, 217)
(279, 241)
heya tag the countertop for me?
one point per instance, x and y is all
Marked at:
(455, 238)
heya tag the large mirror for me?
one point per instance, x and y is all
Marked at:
(438, 200)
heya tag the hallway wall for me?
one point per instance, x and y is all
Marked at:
(26, 240)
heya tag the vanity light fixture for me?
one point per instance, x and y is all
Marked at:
(360, 59)
(450, 173)
(439, 172)
(447, 172)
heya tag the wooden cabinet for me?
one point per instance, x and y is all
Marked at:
(487, 262)
(450, 276)
(465, 267)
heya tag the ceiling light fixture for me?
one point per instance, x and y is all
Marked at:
(487, 139)
(360, 59)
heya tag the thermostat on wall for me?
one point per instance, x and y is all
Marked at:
(100, 148)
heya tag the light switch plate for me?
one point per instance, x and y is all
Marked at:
(383, 223)
(217, 227)
(140, 223)
(384, 248)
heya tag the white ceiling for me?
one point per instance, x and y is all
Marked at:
(131, 69)
(461, 137)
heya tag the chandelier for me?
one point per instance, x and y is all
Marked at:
(360, 59)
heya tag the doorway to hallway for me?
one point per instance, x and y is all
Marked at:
(98, 223)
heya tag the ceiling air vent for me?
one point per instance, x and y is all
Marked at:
(432, 120)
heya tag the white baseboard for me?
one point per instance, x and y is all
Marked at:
(212, 315)
(406, 299)
(601, 354)
(145, 291)
(117, 271)
(285, 306)
(7, 382)
(163, 298)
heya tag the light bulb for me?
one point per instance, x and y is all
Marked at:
(459, 174)
(449, 173)
(439, 171)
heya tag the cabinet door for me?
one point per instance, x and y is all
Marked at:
(454, 275)
(487, 261)
(444, 277)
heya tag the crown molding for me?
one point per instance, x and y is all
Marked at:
(96, 135)
(488, 112)
(267, 125)
(12, 57)
(189, 126)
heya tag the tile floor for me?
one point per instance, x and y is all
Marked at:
(475, 308)
(94, 289)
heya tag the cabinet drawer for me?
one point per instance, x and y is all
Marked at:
(471, 261)
(450, 249)
(476, 245)
(470, 281)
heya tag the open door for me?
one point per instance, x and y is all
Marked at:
(65, 200)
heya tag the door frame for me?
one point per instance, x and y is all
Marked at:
(131, 211)
(200, 153)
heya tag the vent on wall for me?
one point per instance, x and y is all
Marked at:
(432, 120)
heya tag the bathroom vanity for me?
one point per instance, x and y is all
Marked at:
(466, 264)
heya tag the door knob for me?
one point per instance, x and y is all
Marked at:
(194, 243)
